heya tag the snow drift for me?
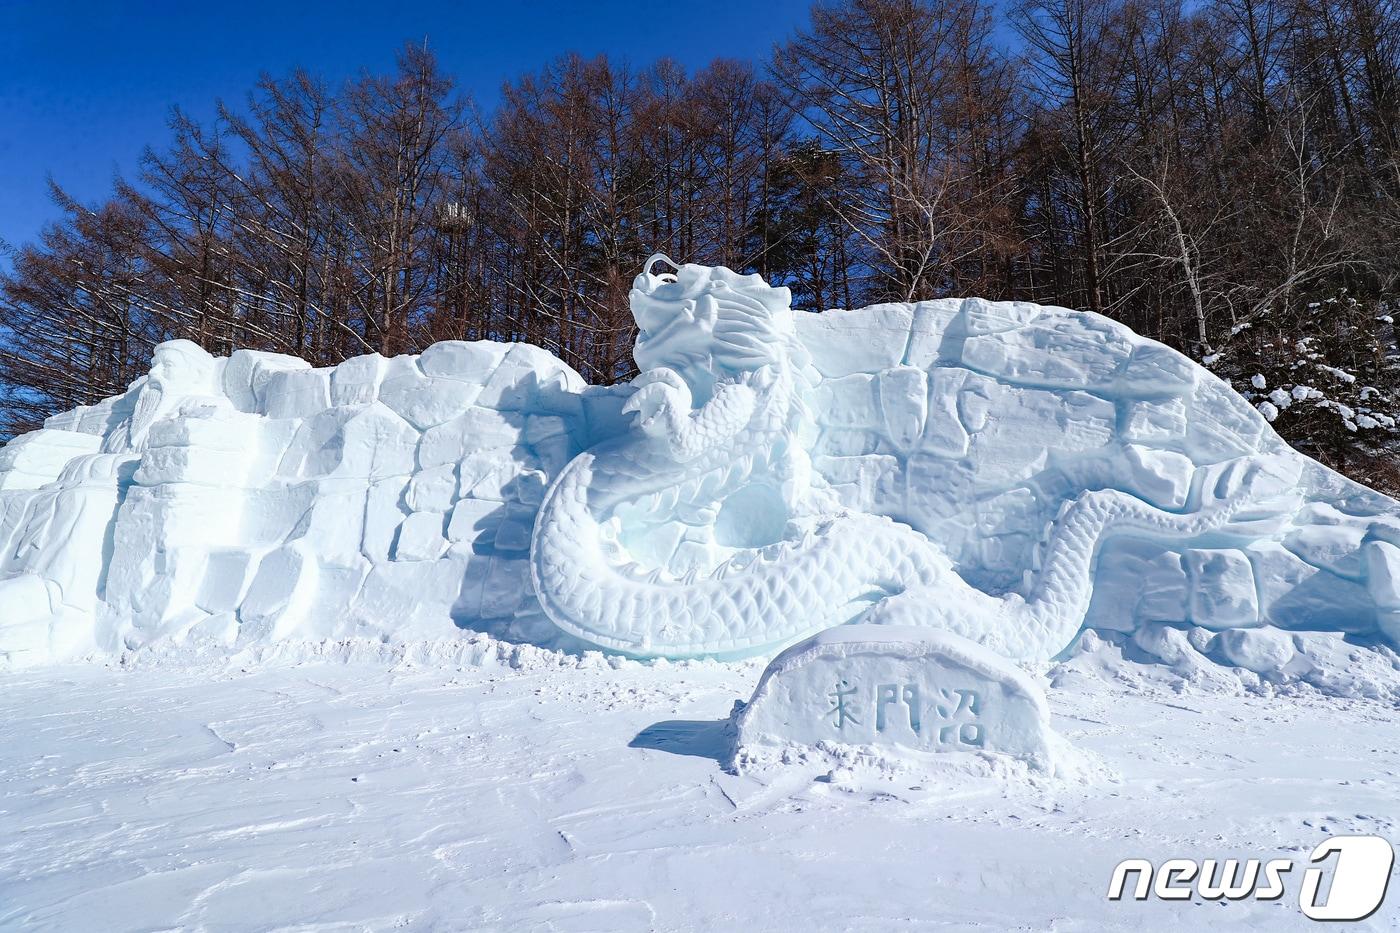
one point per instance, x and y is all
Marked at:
(255, 500)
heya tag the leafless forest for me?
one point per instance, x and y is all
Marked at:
(1223, 176)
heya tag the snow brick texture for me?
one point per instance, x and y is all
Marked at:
(255, 499)
(975, 422)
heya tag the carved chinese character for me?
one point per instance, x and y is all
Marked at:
(840, 705)
(892, 693)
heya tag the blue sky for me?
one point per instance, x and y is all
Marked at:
(84, 86)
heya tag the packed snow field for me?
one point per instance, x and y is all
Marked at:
(541, 792)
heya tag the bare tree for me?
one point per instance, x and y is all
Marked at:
(887, 85)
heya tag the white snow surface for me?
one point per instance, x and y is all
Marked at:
(541, 791)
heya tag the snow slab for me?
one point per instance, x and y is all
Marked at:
(898, 691)
(526, 790)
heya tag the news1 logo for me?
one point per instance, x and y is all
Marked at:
(1359, 872)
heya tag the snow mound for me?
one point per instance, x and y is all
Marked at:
(1261, 662)
(1008, 472)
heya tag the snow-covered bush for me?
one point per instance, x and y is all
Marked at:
(1326, 375)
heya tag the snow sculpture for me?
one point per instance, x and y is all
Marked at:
(1002, 471)
(919, 689)
(707, 532)
(253, 499)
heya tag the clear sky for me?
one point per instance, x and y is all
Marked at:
(85, 84)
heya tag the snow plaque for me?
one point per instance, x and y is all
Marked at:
(921, 689)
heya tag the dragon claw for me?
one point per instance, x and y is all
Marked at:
(659, 401)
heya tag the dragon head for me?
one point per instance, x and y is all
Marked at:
(708, 323)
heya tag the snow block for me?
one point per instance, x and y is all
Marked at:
(384, 510)
(1155, 421)
(981, 317)
(225, 575)
(1383, 573)
(433, 489)
(931, 331)
(525, 376)
(859, 480)
(490, 474)
(356, 381)
(1222, 425)
(1162, 477)
(1294, 594)
(27, 613)
(1139, 584)
(473, 519)
(904, 404)
(506, 588)
(945, 434)
(1331, 546)
(862, 341)
(1157, 370)
(296, 393)
(1080, 353)
(246, 374)
(469, 361)
(848, 401)
(477, 429)
(898, 689)
(427, 401)
(1223, 594)
(601, 410)
(284, 585)
(36, 458)
(1263, 651)
(420, 537)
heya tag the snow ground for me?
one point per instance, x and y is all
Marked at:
(372, 795)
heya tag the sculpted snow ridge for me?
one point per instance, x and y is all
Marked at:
(1003, 471)
(253, 499)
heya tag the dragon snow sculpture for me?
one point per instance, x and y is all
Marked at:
(1007, 472)
(707, 531)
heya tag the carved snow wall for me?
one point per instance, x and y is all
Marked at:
(255, 499)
